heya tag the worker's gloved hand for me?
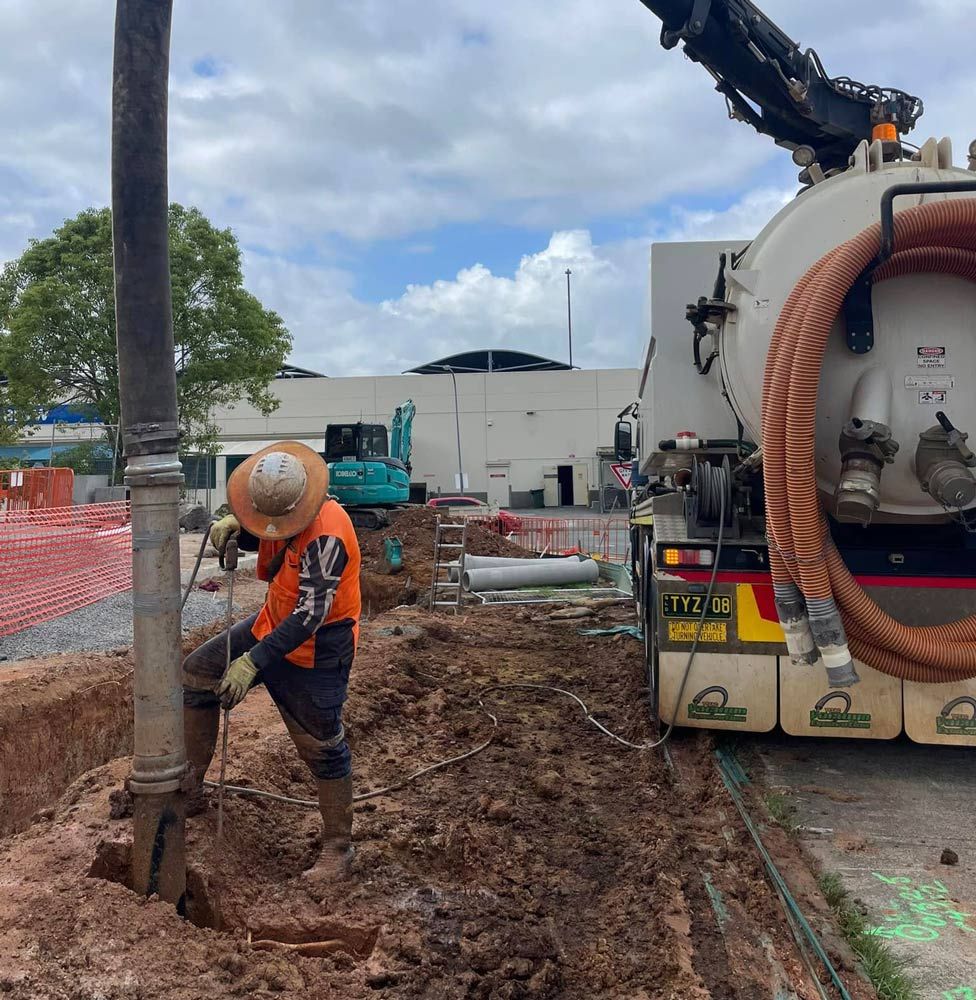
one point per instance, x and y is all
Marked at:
(222, 531)
(236, 681)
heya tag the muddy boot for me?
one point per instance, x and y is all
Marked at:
(335, 803)
(200, 724)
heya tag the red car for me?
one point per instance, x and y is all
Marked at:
(507, 522)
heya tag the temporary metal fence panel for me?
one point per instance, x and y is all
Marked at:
(35, 489)
(57, 560)
(605, 538)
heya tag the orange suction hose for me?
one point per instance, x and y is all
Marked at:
(935, 237)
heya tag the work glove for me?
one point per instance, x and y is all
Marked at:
(221, 532)
(236, 681)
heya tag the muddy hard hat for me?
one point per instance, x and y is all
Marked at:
(277, 492)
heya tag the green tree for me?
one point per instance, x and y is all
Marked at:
(57, 326)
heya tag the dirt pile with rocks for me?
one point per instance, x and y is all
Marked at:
(416, 531)
(554, 864)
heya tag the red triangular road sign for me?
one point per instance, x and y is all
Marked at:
(622, 472)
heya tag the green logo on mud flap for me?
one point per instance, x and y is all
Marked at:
(950, 723)
(826, 715)
(707, 711)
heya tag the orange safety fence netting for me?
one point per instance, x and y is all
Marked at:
(35, 489)
(60, 559)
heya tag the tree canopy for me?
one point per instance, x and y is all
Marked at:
(57, 326)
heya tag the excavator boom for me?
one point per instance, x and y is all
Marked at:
(772, 85)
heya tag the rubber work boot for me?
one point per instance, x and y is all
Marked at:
(200, 725)
(335, 804)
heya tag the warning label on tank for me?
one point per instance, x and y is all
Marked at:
(929, 382)
(932, 396)
(686, 631)
(932, 357)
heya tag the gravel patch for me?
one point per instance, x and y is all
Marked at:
(106, 624)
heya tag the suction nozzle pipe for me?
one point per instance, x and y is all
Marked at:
(936, 237)
(698, 444)
(150, 434)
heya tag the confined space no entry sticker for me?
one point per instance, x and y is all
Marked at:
(931, 357)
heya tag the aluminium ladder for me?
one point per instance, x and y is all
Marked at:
(445, 592)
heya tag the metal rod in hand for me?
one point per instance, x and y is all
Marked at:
(230, 564)
(223, 780)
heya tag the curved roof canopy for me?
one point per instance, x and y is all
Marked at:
(293, 371)
(490, 361)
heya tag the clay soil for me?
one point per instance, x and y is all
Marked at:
(554, 864)
(415, 530)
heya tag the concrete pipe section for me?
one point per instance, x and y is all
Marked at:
(497, 562)
(532, 573)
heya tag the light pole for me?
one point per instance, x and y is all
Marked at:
(457, 424)
(569, 316)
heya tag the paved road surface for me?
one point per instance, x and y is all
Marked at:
(880, 814)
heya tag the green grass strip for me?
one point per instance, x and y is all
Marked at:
(885, 971)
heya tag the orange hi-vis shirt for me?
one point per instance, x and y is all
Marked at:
(311, 613)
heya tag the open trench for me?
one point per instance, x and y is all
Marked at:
(554, 864)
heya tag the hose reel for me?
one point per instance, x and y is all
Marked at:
(710, 494)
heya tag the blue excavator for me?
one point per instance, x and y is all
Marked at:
(369, 469)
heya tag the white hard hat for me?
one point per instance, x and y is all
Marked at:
(277, 483)
(277, 492)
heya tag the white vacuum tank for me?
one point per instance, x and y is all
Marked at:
(924, 326)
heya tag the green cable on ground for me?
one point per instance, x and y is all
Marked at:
(732, 777)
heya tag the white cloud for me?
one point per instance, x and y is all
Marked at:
(337, 334)
(741, 220)
(326, 124)
(372, 119)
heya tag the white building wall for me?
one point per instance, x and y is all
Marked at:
(527, 419)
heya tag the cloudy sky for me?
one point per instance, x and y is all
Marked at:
(412, 177)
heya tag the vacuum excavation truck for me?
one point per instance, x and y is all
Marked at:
(804, 528)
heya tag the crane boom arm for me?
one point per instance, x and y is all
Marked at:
(772, 85)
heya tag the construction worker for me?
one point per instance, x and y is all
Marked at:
(301, 643)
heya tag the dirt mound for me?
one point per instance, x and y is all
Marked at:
(415, 529)
(64, 715)
(555, 864)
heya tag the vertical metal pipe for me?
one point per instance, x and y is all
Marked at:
(569, 317)
(150, 436)
(457, 424)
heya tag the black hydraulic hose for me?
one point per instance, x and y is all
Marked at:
(140, 227)
(196, 565)
(150, 436)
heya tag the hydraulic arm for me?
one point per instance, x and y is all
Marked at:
(783, 92)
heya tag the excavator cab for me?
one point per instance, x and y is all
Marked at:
(368, 480)
(356, 442)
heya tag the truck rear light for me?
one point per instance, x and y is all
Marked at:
(689, 557)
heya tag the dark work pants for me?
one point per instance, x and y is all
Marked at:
(309, 698)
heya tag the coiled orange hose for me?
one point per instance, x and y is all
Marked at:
(935, 237)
